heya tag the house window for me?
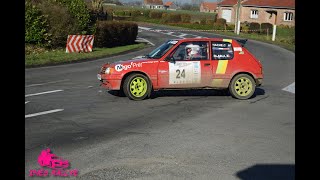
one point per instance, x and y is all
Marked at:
(254, 14)
(288, 16)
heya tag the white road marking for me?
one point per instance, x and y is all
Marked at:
(31, 85)
(182, 35)
(168, 33)
(144, 28)
(172, 35)
(42, 113)
(145, 40)
(26, 102)
(290, 88)
(47, 92)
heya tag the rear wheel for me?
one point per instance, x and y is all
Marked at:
(242, 86)
(137, 87)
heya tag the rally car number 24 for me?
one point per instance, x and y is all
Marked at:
(187, 64)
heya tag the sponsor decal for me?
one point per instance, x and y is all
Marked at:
(237, 49)
(221, 56)
(120, 67)
(59, 166)
(184, 72)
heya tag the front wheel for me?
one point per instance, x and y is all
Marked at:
(242, 86)
(136, 87)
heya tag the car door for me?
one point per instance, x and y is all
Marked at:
(222, 62)
(187, 68)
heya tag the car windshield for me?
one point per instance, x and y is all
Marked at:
(161, 50)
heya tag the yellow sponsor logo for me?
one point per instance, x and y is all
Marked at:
(227, 40)
(222, 67)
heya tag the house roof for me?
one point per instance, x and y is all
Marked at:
(154, 2)
(209, 5)
(270, 3)
(228, 3)
(261, 3)
(169, 3)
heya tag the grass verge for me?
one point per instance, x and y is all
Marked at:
(59, 56)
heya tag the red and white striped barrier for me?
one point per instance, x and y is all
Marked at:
(79, 43)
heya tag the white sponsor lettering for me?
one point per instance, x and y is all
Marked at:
(221, 56)
(120, 67)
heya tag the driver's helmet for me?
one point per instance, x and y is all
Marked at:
(195, 49)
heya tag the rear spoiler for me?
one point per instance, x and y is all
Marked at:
(242, 42)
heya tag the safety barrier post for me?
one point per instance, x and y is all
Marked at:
(238, 28)
(274, 32)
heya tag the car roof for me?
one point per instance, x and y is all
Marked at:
(200, 39)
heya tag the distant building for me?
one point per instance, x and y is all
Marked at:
(153, 4)
(210, 7)
(170, 6)
(259, 11)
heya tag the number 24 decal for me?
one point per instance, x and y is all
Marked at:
(180, 73)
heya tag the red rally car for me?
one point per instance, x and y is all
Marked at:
(185, 64)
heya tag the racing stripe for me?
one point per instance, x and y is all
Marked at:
(222, 67)
(227, 40)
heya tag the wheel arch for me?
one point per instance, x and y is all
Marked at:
(243, 72)
(134, 72)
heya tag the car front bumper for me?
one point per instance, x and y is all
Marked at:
(109, 84)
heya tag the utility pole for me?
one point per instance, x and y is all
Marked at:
(237, 23)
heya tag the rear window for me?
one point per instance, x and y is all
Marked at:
(222, 50)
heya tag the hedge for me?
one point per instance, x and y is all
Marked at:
(254, 27)
(36, 25)
(111, 34)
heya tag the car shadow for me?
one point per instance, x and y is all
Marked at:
(267, 172)
(199, 92)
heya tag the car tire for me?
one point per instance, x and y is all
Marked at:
(137, 87)
(242, 86)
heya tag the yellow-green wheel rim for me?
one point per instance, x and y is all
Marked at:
(138, 87)
(243, 86)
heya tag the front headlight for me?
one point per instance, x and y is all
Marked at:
(107, 71)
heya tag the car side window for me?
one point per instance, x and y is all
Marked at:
(197, 50)
(222, 50)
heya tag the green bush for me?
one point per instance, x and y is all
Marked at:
(164, 18)
(265, 26)
(79, 10)
(174, 18)
(203, 21)
(218, 26)
(185, 18)
(35, 25)
(136, 13)
(60, 21)
(210, 21)
(155, 15)
(146, 13)
(111, 34)
(254, 27)
(221, 21)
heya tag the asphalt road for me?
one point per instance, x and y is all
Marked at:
(198, 134)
